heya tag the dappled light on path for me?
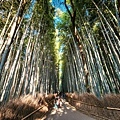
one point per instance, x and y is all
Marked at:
(67, 112)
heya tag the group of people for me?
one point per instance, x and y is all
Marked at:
(58, 101)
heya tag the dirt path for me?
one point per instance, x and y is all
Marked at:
(67, 112)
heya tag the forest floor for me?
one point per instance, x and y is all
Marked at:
(66, 112)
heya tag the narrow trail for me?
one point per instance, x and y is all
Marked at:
(67, 112)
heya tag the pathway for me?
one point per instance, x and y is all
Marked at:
(67, 112)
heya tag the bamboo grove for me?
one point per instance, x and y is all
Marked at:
(92, 45)
(27, 54)
(89, 36)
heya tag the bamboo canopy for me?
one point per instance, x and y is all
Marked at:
(78, 53)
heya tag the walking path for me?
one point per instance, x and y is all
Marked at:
(67, 112)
